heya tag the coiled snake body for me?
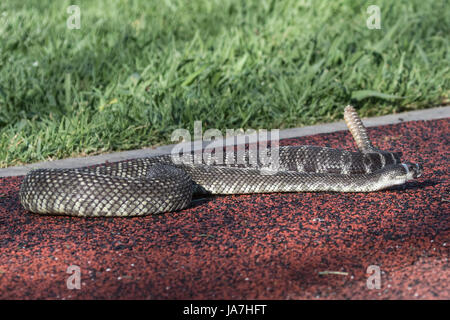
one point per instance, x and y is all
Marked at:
(160, 184)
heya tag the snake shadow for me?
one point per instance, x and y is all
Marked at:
(200, 201)
(414, 185)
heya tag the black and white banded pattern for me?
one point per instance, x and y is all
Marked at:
(163, 183)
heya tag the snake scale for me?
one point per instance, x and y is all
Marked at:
(159, 184)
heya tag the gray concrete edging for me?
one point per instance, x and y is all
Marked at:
(427, 114)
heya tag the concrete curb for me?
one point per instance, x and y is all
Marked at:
(427, 114)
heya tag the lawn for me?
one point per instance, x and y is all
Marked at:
(137, 70)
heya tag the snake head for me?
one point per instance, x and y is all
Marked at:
(413, 170)
(399, 174)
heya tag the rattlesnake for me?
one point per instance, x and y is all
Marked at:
(160, 184)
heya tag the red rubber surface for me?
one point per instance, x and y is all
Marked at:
(271, 246)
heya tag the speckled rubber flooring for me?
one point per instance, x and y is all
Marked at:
(271, 246)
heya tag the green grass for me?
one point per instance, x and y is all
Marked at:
(137, 70)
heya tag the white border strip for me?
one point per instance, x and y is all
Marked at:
(427, 114)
